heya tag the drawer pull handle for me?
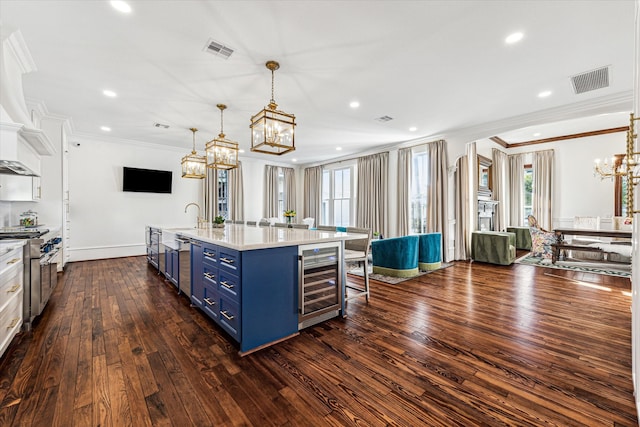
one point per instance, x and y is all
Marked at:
(210, 276)
(227, 285)
(14, 288)
(226, 316)
(209, 254)
(13, 324)
(208, 301)
(227, 260)
(13, 261)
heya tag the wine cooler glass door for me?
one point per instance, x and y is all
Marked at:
(320, 282)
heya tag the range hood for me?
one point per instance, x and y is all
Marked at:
(11, 167)
(22, 142)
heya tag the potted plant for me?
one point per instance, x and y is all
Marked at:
(290, 214)
(218, 222)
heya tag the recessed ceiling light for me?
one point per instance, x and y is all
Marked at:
(338, 148)
(105, 128)
(413, 129)
(354, 104)
(121, 6)
(544, 94)
(536, 134)
(294, 160)
(513, 38)
(109, 93)
(241, 151)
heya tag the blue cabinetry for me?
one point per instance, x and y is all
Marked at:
(171, 265)
(197, 277)
(251, 294)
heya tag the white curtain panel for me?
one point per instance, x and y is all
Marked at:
(437, 196)
(372, 199)
(312, 193)
(404, 179)
(461, 247)
(271, 192)
(472, 180)
(289, 189)
(500, 188)
(516, 189)
(543, 187)
(236, 193)
(211, 195)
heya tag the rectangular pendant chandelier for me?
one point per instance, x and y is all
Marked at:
(272, 130)
(194, 165)
(222, 153)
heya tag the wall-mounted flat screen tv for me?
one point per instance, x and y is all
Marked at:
(146, 180)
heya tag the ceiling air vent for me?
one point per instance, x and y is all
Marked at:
(384, 119)
(591, 80)
(160, 125)
(218, 49)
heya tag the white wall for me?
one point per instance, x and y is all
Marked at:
(107, 222)
(577, 192)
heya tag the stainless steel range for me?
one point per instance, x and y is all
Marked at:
(41, 257)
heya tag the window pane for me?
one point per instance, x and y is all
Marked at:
(418, 193)
(337, 185)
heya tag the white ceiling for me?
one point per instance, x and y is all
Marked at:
(441, 66)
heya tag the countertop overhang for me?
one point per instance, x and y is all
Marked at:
(248, 237)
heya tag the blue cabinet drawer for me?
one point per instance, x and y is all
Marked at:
(209, 254)
(210, 276)
(211, 302)
(229, 285)
(230, 317)
(229, 260)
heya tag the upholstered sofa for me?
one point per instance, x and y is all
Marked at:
(493, 247)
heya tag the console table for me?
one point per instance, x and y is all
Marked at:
(562, 245)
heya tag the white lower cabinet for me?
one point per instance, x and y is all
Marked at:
(11, 291)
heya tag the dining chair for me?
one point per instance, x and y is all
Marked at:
(251, 222)
(309, 221)
(301, 226)
(358, 250)
(281, 224)
(264, 223)
(238, 222)
(326, 228)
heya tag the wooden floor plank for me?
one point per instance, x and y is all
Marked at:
(471, 344)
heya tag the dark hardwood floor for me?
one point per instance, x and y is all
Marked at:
(471, 344)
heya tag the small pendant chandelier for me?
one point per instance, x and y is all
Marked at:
(193, 165)
(272, 131)
(221, 152)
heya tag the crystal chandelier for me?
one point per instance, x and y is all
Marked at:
(194, 165)
(221, 152)
(623, 167)
(272, 131)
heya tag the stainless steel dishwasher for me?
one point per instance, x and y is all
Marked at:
(184, 265)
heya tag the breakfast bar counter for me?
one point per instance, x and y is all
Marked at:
(261, 285)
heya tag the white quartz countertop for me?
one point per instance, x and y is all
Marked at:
(250, 237)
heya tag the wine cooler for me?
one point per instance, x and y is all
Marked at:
(320, 283)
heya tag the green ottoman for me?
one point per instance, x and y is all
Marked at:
(493, 247)
(523, 237)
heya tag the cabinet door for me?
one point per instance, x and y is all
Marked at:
(197, 284)
(175, 267)
(17, 188)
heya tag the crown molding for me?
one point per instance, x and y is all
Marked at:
(16, 44)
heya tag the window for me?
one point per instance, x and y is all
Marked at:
(223, 193)
(337, 196)
(528, 192)
(418, 192)
(281, 194)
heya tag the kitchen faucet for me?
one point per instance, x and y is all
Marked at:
(199, 220)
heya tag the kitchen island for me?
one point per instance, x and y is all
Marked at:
(263, 284)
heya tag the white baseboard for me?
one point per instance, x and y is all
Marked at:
(102, 252)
